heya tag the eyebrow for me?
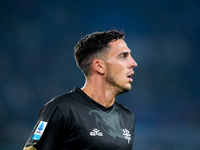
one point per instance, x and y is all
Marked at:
(125, 52)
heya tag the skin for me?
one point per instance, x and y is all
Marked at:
(111, 76)
(29, 148)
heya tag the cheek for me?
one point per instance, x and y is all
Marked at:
(116, 68)
(118, 73)
(119, 68)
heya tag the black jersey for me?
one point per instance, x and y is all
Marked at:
(74, 121)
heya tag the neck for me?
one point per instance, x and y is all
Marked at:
(97, 90)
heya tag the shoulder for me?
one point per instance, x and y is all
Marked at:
(64, 98)
(65, 101)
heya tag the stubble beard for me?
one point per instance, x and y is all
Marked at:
(111, 80)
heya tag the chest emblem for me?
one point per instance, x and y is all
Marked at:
(127, 135)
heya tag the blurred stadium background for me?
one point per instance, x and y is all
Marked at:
(36, 63)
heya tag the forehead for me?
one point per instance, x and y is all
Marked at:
(117, 47)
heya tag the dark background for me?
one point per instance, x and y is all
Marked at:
(36, 63)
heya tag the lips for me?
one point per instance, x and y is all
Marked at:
(130, 77)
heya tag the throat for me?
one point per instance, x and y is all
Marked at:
(107, 110)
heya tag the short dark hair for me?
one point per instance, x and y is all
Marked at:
(93, 44)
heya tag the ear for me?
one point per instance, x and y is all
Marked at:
(98, 66)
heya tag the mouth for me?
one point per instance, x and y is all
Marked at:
(130, 77)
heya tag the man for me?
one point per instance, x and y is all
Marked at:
(90, 118)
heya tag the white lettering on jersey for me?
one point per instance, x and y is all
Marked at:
(95, 132)
(127, 135)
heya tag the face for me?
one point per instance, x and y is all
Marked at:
(119, 66)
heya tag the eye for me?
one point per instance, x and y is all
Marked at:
(124, 56)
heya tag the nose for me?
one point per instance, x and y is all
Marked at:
(133, 63)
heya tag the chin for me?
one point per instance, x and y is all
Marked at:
(127, 89)
(124, 90)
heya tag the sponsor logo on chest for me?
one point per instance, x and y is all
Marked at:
(96, 132)
(125, 133)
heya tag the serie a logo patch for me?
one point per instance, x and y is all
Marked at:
(39, 130)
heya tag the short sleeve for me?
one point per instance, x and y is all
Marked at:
(48, 131)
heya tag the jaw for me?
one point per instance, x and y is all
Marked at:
(123, 88)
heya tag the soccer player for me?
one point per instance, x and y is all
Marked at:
(89, 118)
